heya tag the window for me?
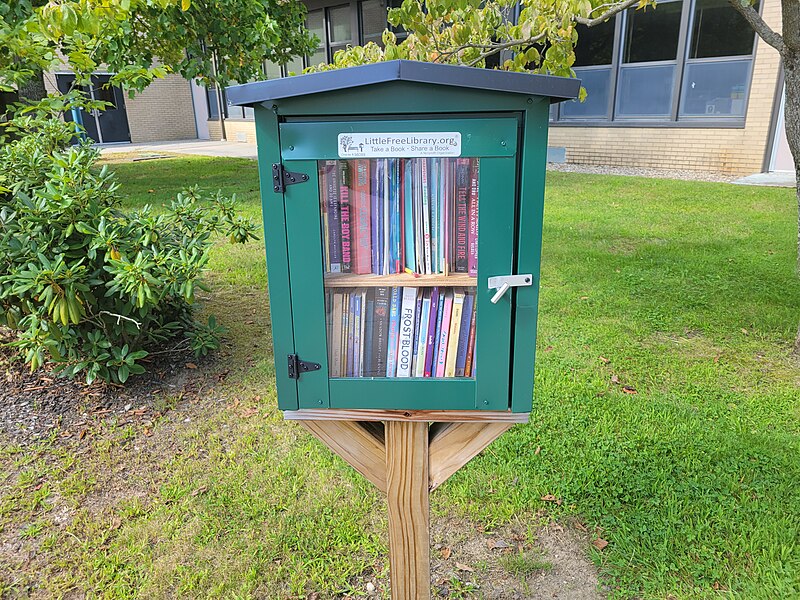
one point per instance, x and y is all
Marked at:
(339, 28)
(685, 60)
(315, 23)
(373, 21)
(720, 60)
(593, 57)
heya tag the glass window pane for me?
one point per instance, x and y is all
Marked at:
(373, 21)
(296, 65)
(652, 34)
(213, 105)
(645, 91)
(272, 70)
(597, 83)
(719, 30)
(339, 25)
(315, 23)
(595, 45)
(400, 252)
(715, 89)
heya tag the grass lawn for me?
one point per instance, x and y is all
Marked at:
(683, 293)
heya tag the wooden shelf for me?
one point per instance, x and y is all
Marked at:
(340, 280)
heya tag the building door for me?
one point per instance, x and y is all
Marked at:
(109, 125)
(781, 155)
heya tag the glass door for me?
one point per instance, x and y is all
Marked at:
(390, 251)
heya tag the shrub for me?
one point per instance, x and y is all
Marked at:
(86, 285)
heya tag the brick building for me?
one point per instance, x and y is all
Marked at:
(687, 86)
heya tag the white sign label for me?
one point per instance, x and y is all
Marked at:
(407, 145)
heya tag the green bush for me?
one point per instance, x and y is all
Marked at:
(82, 283)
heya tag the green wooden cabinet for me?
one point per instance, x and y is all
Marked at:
(393, 196)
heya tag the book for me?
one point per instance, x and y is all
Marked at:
(444, 331)
(405, 343)
(376, 179)
(408, 214)
(380, 343)
(461, 215)
(420, 296)
(394, 331)
(463, 336)
(437, 330)
(433, 319)
(344, 214)
(386, 216)
(426, 215)
(468, 367)
(352, 317)
(334, 213)
(422, 334)
(453, 333)
(367, 369)
(335, 341)
(346, 334)
(472, 235)
(361, 217)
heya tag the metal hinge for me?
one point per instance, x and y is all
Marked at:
(297, 366)
(281, 178)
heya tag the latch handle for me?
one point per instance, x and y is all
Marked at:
(502, 283)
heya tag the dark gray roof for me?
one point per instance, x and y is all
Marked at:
(557, 88)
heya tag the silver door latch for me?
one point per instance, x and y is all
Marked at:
(502, 283)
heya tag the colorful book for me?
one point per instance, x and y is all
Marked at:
(452, 336)
(408, 214)
(437, 330)
(361, 214)
(335, 341)
(463, 336)
(394, 331)
(472, 236)
(433, 319)
(461, 215)
(343, 179)
(422, 334)
(444, 331)
(405, 343)
(376, 226)
(386, 215)
(469, 371)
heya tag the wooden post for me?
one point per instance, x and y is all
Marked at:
(409, 509)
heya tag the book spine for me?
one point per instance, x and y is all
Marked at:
(323, 207)
(438, 330)
(426, 216)
(380, 344)
(368, 339)
(462, 217)
(375, 221)
(420, 297)
(405, 345)
(385, 249)
(335, 341)
(397, 221)
(408, 214)
(346, 217)
(394, 330)
(421, 338)
(334, 216)
(362, 248)
(431, 334)
(463, 336)
(453, 334)
(358, 330)
(434, 187)
(348, 327)
(472, 249)
(441, 357)
(468, 370)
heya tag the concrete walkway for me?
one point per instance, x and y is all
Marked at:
(195, 147)
(775, 179)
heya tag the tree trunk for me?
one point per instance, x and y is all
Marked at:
(33, 90)
(791, 66)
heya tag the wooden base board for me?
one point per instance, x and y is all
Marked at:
(436, 416)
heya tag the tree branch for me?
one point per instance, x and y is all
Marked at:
(617, 8)
(764, 31)
(491, 49)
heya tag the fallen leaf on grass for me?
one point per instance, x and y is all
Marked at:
(551, 498)
(116, 523)
(629, 389)
(82, 434)
(249, 413)
(191, 366)
(605, 360)
(446, 552)
(463, 567)
(201, 490)
(614, 379)
(600, 543)
(538, 450)
(581, 526)
(548, 349)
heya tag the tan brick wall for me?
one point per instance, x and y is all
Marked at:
(163, 111)
(236, 131)
(733, 151)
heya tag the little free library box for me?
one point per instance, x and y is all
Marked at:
(403, 210)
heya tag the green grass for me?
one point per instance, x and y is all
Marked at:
(684, 291)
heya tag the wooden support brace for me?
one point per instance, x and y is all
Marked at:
(360, 447)
(452, 445)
